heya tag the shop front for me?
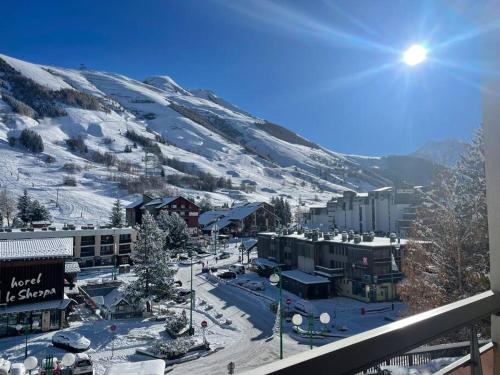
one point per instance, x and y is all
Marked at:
(32, 285)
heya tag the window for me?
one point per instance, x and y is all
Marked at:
(107, 239)
(107, 250)
(88, 240)
(125, 238)
(124, 249)
(88, 251)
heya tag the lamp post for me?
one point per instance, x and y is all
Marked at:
(297, 320)
(276, 279)
(25, 327)
(191, 329)
(30, 364)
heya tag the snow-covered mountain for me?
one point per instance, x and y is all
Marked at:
(110, 134)
(446, 152)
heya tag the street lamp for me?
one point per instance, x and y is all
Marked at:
(191, 328)
(25, 327)
(297, 320)
(276, 279)
(30, 363)
(68, 360)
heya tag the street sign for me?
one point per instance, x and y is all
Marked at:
(288, 301)
(204, 324)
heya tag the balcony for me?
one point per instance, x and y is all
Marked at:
(384, 345)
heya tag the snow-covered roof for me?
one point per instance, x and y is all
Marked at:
(386, 188)
(377, 241)
(110, 300)
(36, 248)
(264, 262)
(135, 203)
(151, 367)
(209, 216)
(71, 267)
(58, 304)
(236, 213)
(249, 243)
(166, 200)
(304, 278)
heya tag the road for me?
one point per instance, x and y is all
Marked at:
(251, 317)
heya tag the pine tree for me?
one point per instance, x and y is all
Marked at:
(176, 232)
(154, 276)
(116, 217)
(447, 255)
(24, 207)
(38, 212)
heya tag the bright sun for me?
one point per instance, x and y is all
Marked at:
(415, 55)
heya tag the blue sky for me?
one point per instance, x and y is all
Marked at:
(329, 70)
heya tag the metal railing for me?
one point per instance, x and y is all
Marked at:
(368, 349)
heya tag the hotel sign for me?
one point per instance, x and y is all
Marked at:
(23, 283)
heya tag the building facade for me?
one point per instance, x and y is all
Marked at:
(32, 273)
(382, 211)
(92, 246)
(243, 220)
(355, 266)
(180, 205)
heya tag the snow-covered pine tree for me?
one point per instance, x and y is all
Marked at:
(447, 255)
(38, 212)
(24, 207)
(175, 230)
(155, 279)
(116, 216)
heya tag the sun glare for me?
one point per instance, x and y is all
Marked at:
(415, 54)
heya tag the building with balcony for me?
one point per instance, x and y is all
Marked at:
(331, 264)
(186, 209)
(92, 246)
(243, 220)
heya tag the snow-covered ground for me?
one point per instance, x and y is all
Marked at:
(248, 341)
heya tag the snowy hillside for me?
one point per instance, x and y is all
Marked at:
(114, 136)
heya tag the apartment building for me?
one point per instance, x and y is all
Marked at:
(92, 246)
(330, 264)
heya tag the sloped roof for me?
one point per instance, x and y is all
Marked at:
(135, 203)
(209, 216)
(36, 248)
(236, 213)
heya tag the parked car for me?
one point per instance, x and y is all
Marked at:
(255, 285)
(224, 255)
(237, 267)
(71, 341)
(226, 274)
(182, 295)
(83, 365)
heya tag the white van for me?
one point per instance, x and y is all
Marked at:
(237, 268)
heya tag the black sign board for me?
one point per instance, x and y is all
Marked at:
(30, 282)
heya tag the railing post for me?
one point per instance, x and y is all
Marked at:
(490, 57)
(475, 357)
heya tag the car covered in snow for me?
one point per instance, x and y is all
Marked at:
(224, 255)
(83, 365)
(71, 341)
(226, 274)
(182, 295)
(237, 267)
